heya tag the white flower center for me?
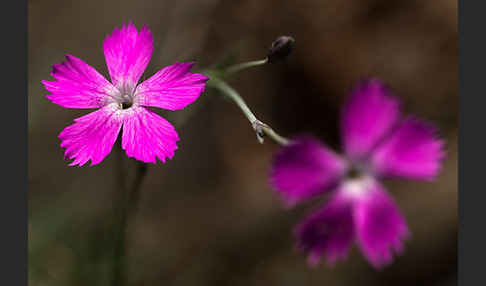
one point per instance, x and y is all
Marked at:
(357, 187)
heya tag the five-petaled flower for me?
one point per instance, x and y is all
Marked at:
(378, 143)
(123, 102)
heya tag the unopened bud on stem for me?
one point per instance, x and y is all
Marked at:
(281, 48)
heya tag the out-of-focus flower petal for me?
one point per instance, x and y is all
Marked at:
(413, 151)
(305, 168)
(367, 116)
(329, 232)
(380, 226)
(171, 88)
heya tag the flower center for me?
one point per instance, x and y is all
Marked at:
(126, 104)
(354, 173)
(358, 169)
(126, 101)
(357, 187)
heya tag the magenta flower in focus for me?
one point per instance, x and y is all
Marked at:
(123, 102)
(378, 143)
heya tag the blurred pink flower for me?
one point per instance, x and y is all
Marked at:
(145, 136)
(378, 143)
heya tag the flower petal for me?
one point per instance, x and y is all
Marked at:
(171, 88)
(304, 169)
(413, 150)
(328, 232)
(147, 136)
(127, 53)
(380, 226)
(78, 85)
(367, 117)
(92, 136)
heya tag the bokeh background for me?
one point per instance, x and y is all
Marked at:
(209, 216)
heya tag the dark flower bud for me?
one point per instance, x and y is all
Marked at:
(280, 49)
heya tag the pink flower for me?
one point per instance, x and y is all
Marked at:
(123, 102)
(378, 143)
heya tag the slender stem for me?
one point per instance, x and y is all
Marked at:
(120, 193)
(227, 90)
(263, 129)
(128, 205)
(134, 196)
(260, 128)
(239, 67)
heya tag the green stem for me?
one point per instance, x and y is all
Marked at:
(242, 66)
(128, 206)
(227, 90)
(260, 128)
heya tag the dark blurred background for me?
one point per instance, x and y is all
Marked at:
(209, 216)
